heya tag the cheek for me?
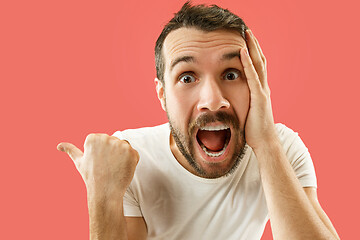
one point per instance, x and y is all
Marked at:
(241, 102)
(179, 105)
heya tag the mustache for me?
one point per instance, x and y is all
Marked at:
(206, 118)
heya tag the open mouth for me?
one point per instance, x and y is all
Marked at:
(214, 140)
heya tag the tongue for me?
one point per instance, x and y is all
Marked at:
(213, 140)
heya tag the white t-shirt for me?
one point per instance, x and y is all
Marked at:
(177, 204)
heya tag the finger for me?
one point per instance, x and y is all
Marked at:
(256, 56)
(250, 71)
(136, 152)
(251, 35)
(264, 79)
(260, 50)
(74, 153)
(254, 51)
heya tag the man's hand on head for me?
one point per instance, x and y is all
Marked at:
(260, 127)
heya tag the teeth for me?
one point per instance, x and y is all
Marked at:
(214, 154)
(214, 128)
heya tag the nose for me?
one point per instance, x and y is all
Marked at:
(211, 97)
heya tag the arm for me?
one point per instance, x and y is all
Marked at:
(136, 228)
(294, 213)
(106, 220)
(312, 195)
(107, 167)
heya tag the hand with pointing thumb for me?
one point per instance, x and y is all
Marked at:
(107, 165)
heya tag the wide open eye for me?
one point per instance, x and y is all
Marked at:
(231, 74)
(187, 78)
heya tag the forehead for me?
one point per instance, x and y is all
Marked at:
(194, 42)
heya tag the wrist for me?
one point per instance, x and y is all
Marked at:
(268, 147)
(104, 195)
(106, 216)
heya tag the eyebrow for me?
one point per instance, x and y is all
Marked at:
(181, 59)
(230, 55)
(226, 56)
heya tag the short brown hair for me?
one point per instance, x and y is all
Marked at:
(205, 18)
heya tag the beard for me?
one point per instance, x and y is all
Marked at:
(186, 145)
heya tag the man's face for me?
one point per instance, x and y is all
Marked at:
(206, 98)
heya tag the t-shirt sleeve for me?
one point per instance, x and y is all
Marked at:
(298, 155)
(130, 203)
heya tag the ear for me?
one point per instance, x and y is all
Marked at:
(160, 92)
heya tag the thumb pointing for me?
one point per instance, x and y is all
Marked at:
(74, 153)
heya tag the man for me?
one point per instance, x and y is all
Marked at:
(220, 168)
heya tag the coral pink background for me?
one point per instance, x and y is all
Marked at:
(69, 68)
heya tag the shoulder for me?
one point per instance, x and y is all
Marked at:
(298, 155)
(284, 131)
(142, 134)
(292, 143)
(286, 135)
(152, 143)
